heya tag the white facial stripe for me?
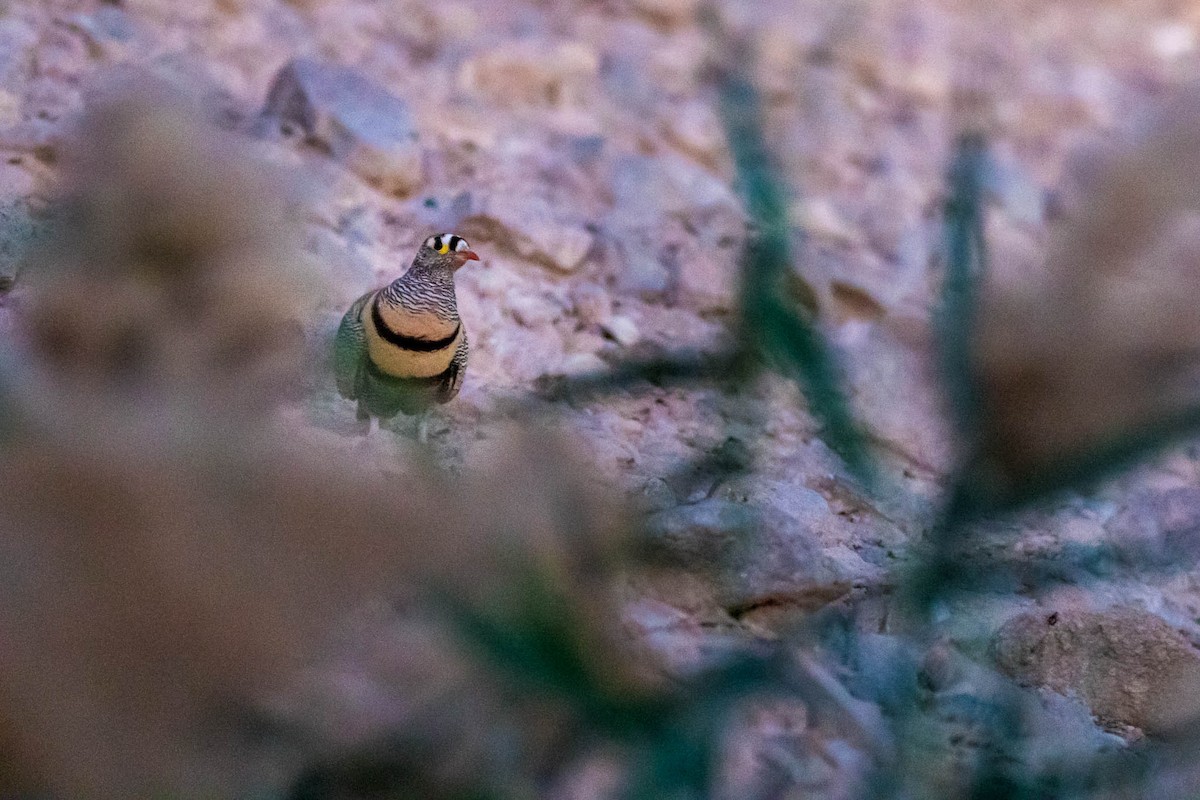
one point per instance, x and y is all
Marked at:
(448, 241)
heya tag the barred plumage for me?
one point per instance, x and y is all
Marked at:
(403, 348)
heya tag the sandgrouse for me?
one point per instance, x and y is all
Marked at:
(403, 348)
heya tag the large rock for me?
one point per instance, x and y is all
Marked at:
(762, 559)
(109, 31)
(1129, 666)
(1159, 527)
(658, 202)
(18, 38)
(700, 535)
(532, 228)
(359, 122)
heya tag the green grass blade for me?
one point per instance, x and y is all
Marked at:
(771, 326)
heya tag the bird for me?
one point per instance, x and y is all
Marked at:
(402, 348)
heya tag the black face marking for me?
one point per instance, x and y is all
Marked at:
(437, 242)
(454, 240)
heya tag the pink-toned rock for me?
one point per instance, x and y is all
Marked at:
(361, 124)
(579, 364)
(533, 229)
(667, 12)
(623, 330)
(109, 31)
(1128, 665)
(696, 129)
(17, 41)
(532, 311)
(657, 203)
(533, 73)
(592, 304)
(706, 272)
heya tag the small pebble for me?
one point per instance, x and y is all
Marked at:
(623, 330)
(580, 364)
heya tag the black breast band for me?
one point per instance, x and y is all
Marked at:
(413, 343)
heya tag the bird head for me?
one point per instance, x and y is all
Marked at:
(446, 250)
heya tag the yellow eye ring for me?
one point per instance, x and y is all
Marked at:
(445, 248)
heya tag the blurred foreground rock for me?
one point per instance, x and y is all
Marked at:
(1129, 666)
(170, 272)
(1111, 316)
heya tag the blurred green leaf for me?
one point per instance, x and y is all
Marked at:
(540, 648)
(542, 643)
(966, 265)
(772, 326)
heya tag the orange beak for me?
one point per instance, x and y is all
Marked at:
(464, 256)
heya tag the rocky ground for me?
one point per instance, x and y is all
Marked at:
(577, 146)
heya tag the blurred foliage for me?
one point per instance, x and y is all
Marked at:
(771, 328)
(983, 490)
(670, 733)
(965, 250)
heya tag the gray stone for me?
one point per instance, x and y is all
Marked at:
(1015, 191)
(532, 311)
(362, 124)
(1159, 528)
(339, 261)
(763, 559)
(700, 535)
(532, 228)
(578, 364)
(1064, 730)
(17, 41)
(656, 202)
(107, 29)
(884, 671)
(623, 330)
(591, 304)
(668, 184)
(642, 268)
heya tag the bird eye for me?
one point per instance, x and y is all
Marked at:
(434, 242)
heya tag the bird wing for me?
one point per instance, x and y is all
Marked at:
(350, 349)
(454, 375)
